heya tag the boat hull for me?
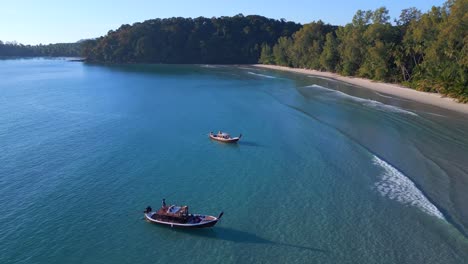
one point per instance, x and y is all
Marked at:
(225, 140)
(202, 224)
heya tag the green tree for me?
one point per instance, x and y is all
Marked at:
(308, 44)
(408, 15)
(379, 39)
(404, 60)
(266, 56)
(350, 49)
(329, 58)
(281, 51)
(445, 65)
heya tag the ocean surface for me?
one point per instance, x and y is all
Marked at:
(325, 172)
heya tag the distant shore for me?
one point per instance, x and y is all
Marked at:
(386, 88)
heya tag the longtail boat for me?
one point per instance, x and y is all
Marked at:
(179, 216)
(224, 137)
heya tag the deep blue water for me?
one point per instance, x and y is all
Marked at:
(325, 172)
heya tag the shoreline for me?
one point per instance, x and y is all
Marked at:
(385, 88)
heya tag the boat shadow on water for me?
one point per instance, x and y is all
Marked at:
(238, 236)
(249, 143)
(226, 145)
(237, 144)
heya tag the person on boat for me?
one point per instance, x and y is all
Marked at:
(164, 202)
(148, 209)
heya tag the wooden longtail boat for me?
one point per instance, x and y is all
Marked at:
(224, 137)
(178, 216)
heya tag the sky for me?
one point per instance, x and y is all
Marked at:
(58, 21)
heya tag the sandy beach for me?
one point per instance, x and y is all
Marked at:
(386, 88)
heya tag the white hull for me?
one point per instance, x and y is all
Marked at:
(206, 221)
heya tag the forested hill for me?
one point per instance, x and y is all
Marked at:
(226, 40)
(13, 49)
(426, 51)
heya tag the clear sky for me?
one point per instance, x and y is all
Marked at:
(53, 21)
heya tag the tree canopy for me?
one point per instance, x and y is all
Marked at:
(8, 49)
(236, 39)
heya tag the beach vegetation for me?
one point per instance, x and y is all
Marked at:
(426, 51)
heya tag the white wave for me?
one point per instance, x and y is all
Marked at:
(386, 96)
(321, 87)
(367, 102)
(434, 114)
(210, 66)
(396, 186)
(245, 68)
(385, 107)
(320, 77)
(262, 75)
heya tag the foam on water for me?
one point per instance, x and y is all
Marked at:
(366, 102)
(320, 77)
(210, 66)
(396, 186)
(434, 114)
(386, 96)
(385, 107)
(262, 75)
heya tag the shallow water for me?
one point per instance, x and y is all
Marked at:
(324, 172)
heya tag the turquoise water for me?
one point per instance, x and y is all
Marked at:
(324, 173)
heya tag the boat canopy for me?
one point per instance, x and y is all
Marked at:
(175, 210)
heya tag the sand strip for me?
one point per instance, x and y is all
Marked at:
(385, 88)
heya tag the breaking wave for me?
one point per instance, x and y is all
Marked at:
(320, 77)
(366, 102)
(434, 114)
(396, 186)
(386, 96)
(385, 107)
(262, 75)
(210, 66)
